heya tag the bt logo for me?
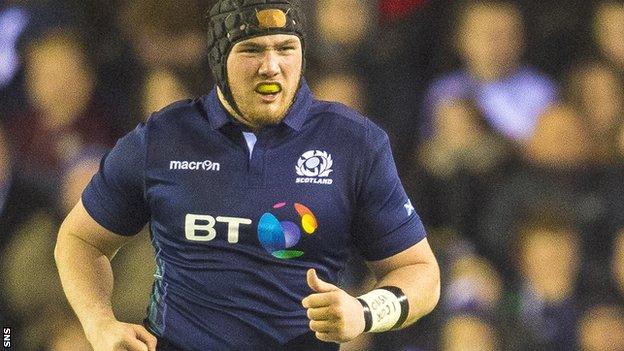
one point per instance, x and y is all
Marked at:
(195, 223)
(276, 236)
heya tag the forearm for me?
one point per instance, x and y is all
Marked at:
(87, 279)
(420, 283)
(337, 316)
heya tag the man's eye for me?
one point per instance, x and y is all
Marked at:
(287, 48)
(250, 51)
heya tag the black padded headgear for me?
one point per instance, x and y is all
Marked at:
(231, 21)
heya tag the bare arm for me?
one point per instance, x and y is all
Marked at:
(337, 316)
(415, 271)
(83, 252)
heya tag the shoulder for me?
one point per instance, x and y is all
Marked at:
(177, 112)
(358, 128)
(170, 122)
(337, 111)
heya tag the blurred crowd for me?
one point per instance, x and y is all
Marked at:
(506, 120)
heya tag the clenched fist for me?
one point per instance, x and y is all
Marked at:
(113, 335)
(334, 315)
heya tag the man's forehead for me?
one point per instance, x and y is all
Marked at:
(271, 40)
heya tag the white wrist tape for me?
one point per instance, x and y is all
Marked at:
(385, 308)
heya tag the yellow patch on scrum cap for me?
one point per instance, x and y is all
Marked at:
(272, 18)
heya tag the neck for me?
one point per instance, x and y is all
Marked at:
(489, 72)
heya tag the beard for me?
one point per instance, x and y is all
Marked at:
(258, 115)
(259, 118)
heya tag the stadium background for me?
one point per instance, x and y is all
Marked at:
(506, 121)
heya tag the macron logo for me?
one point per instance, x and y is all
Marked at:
(195, 165)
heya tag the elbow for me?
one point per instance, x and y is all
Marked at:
(58, 247)
(58, 253)
(435, 291)
(429, 293)
(64, 244)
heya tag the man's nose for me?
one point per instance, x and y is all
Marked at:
(270, 65)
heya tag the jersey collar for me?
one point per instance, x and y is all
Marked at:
(295, 118)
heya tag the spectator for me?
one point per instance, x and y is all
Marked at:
(341, 30)
(63, 116)
(23, 20)
(597, 92)
(474, 285)
(548, 256)
(472, 301)
(609, 31)
(459, 163)
(469, 333)
(511, 95)
(119, 76)
(555, 177)
(560, 140)
(162, 87)
(342, 86)
(342, 27)
(400, 54)
(602, 328)
(168, 35)
(461, 140)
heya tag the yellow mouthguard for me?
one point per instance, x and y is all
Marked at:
(268, 88)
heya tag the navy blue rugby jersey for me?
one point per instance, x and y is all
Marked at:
(235, 228)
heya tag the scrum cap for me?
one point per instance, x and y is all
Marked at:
(231, 21)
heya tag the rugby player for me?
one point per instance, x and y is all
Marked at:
(253, 195)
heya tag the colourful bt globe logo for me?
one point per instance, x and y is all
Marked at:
(277, 237)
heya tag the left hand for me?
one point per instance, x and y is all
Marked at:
(334, 315)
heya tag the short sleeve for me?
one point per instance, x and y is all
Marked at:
(115, 196)
(385, 222)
